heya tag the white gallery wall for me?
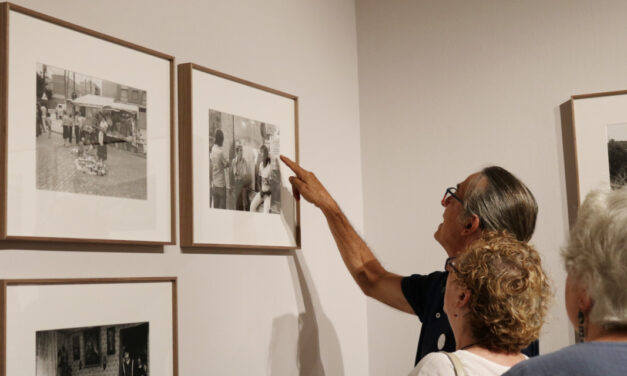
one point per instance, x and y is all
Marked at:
(449, 87)
(442, 89)
(245, 313)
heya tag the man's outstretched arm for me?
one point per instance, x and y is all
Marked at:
(369, 274)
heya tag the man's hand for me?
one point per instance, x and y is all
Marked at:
(371, 277)
(307, 185)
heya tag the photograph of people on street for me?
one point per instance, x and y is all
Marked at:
(90, 354)
(617, 154)
(91, 135)
(243, 164)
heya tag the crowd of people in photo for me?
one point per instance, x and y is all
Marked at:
(90, 134)
(234, 181)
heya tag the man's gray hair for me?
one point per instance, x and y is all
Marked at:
(502, 202)
(596, 255)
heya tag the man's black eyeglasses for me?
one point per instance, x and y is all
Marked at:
(450, 192)
(450, 262)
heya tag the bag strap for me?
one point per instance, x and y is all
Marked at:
(457, 364)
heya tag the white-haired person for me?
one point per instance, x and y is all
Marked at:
(496, 297)
(596, 292)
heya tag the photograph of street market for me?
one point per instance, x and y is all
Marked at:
(244, 167)
(91, 135)
(118, 349)
(617, 154)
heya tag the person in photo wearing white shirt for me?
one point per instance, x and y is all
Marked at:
(264, 194)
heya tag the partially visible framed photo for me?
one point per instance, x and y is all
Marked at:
(600, 138)
(86, 134)
(91, 344)
(111, 340)
(76, 347)
(58, 327)
(234, 191)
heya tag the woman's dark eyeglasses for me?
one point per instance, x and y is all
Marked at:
(450, 262)
(450, 192)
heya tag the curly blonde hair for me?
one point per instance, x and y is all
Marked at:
(509, 291)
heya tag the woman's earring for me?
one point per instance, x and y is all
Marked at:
(580, 333)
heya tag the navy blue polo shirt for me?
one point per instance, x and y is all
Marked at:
(425, 294)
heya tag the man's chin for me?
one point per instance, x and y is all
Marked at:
(437, 236)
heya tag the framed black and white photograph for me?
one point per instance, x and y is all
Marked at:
(600, 140)
(91, 135)
(111, 332)
(253, 171)
(104, 327)
(91, 345)
(97, 167)
(234, 189)
(76, 347)
(617, 153)
(53, 349)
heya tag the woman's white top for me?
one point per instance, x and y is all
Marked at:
(436, 364)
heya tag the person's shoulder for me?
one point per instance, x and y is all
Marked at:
(434, 276)
(436, 358)
(435, 363)
(423, 285)
(547, 364)
(432, 280)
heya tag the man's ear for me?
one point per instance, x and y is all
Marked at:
(471, 225)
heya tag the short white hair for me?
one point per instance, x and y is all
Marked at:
(596, 255)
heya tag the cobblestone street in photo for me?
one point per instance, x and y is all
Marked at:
(56, 170)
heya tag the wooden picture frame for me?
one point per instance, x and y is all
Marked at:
(99, 165)
(234, 191)
(38, 334)
(599, 134)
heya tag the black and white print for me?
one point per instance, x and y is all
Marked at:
(617, 153)
(243, 164)
(91, 135)
(85, 351)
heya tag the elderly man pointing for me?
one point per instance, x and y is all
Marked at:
(491, 199)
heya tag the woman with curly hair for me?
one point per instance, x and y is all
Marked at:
(497, 295)
(595, 294)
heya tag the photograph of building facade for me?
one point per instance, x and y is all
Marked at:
(85, 351)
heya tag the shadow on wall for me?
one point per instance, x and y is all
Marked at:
(299, 338)
(288, 210)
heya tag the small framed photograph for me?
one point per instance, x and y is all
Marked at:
(86, 135)
(600, 140)
(121, 326)
(111, 340)
(234, 191)
(76, 347)
(91, 344)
